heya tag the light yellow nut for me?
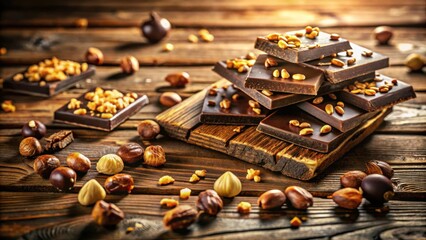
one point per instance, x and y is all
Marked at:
(110, 164)
(164, 180)
(228, 185)
(91, 192)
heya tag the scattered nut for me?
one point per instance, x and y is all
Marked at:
(294, 123)
(194, 178)
(169, 202)
(164, 180)
(110, 164)
(129, 65)
(148, 129)
(131, 153)
(107, 214)
(119, 183)
(383, 34)
(339, 110)
(304, 125)
(271, 199)
(348, 198)
(185, 193)
(379, 167)
(334, 36)
(180, 217)
(295, 222)
(329, 109)
(169, 99)
(154, 156)
(318, 100)
(201, 173)
(337, 62)
(257, 179)
(45, 164)
(377, 188)
(228, 185)
(94, 56)
(8, 106)
(367, 53)
(30, 146)
(415, 61)
(78, 162)
(63, 178)
(306, 131)
(180, 79)
(351, 61)
(192, 38)
(168, 47)
(298, 77)
(33, 129)
(90, 193)
(209, 202)
(81, 22)
(325, 129)
(352, 179)
(244, 207)
(299, 197)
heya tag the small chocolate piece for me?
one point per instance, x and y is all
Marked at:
(58, 141)
(261, 78)
(231, 107)
(156, 28)
(377, 189)
(309, 49)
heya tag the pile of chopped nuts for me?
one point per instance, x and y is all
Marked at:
(285, 41)
(370, 88)
(242, 64)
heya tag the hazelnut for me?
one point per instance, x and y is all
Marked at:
(44, 165)
(180, 217)
(119, 183)
(110, 164)
(228, 185)
(271, 199)
(148, 129)
(379, 167)
(156, 28)
(352, 179)
(129, 65)
(169, 99)
(209, 202)
(33, 129)
(78, 162)
(348, 198)
(178, 79)
(383, 34)
(30, 146)
(94, 56)
(154, 156)
(90, 193)
(63, 178)
(244, 207)
(130, 153)
(299, 197)
(415, 62)
(107, 214)
(377, 188)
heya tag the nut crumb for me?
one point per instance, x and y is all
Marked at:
(164, 180)
(185, 193)
(169, 202)
(244, 207)
(295, 222)
(194, 178)
(201, 173)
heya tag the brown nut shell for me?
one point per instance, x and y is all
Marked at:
(209, 202)
(154, 156)
(352, 179)
(148, 129)
(129, 65)
(45, 164)
(63, 178)
(33, 129)
(180, 217)
(299, 197)
(271, 199)
(379, 167)
(78, 162)
(30, 146)
(94, 56)
(119, 183)
(179, 79)
(169, 99)
(131, 153)
(107, 214)
(348, 198)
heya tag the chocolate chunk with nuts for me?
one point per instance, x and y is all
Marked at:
(59, 140)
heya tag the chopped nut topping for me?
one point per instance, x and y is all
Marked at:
(74, 104)
(369, 92)
(298, 76)
(253, 104)
(324, 64)
(276, 73)
(185, 193)
(169, 202)
(258, 111)
(367, 53)
(244, 207)
(284, 73)
(305, 125)
(211, 103)
(334, 36)
(294, 123)
(164, 180)
(337, 62)
(329, 109)
(325, 129)
(306, 131)
(349, 52)
(194, 178)
(351, 61)
(251, 173)
(269, 62)
(235, 97)
(225, 103)
(282, 44)
(318, 100)
(18, 77)
(266, 92)
(212, 92)
(341, 104)
(339, 110)
(273, 36)
(237, 129)
(332, 96)
(80, 111)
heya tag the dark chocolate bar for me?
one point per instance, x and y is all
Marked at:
(95, 119)
(363, 63)
(343, 116)
(238, 112)
(384, 92)
(309, 49)
(261, 77)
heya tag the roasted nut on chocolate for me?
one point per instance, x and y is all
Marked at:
(209, 202)
(78, 162)
(30, 146)
(271, 199)
(299, 197)
(337, 62)
(154, 156)
(156, 28)
(306, 131)
(33, 129)
(377, 189)
(352, 179)
(45, 164)
(325, 129)
(169, 99)
(90, 193)
(179, 79)
(148, 129)
(179, 218)
(63, 178)
(383, 34)
(131, 153)
(129, 65)
(379, 167)
(348, 198)
(110, 164)
(119, 183)
(107, 214)
(94, 56)
(415, 62)
(228, 185)
(244, 207)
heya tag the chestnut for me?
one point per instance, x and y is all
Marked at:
(377, 188)
(107, 214)
(45, 164)
(130, 153)
(352, 179)
(299, 197)
(383, 34)
(30, 146)
(119, 183)
(129, 65)
(154, 156)
(156, 28)
(379, 167)
(148, 129)
(169, 99)
(94, 56)
(33, 129)
(63, 178)
(78, 162)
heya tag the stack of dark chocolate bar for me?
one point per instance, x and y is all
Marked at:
(311, 88)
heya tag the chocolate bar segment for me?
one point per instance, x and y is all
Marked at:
(309, 49)
(261, 77)
(98, 118)
(344, 116)
(363, 62)
(228, 105)
(380, 93)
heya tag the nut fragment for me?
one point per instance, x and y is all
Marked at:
(192, 38)
(299, 197)
(228, 185)
(209, 202)
(251, 173)
(284, 73)
(107, 214)
(339, 110)
(29, 147)
(8, 106)
(244, 207)
(169, 202)
(318, 100)
(201, 173)
(295, 222)
(266, 92)
(94, 56)
(148, 129)
(119, 183)
(185, 193)
(194, 178)
(329, 109)
(306, 131)
(179, 79)
(257, 179)
(351, 61)
(180, 217)
(90, 193)
(337, 62)
(164, 180)
(271, 199)
(282, 44)
(169, 99)
(276, 73)
(270, 62)
(129, 65)
(45, 164)
(325, 129)
(294, 123)
(334, 36)
(367, 53)
(298, 77)
(348, 198)
(253, 104)
(379, 167)
(341, 104)
(110, 164)
(168, 47)
(225, 104)
(352, 179)
(304, 125)
(78, 162)
(154, 156)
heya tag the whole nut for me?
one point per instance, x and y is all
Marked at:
(94, 56)
(383, 34)
(415, 62)
(33, 129)
(377, 188)
(379, 167)
(156, 28)
(63, 178)
(180, 217)
(110, 164)
(178, 79)
(45, 164)
(131, 153)
(271, 199)
(352, 179)
(169, 99)
(209, 202)
(107, 214)
(148, 129)
(30, 146)
(299, 197)
(78, 162)
(154, 156)
(129, 65)
(227, 185)
(90, 193)
(119, 183)
(348, 198)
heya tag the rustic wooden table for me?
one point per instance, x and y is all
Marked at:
(31, 31)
